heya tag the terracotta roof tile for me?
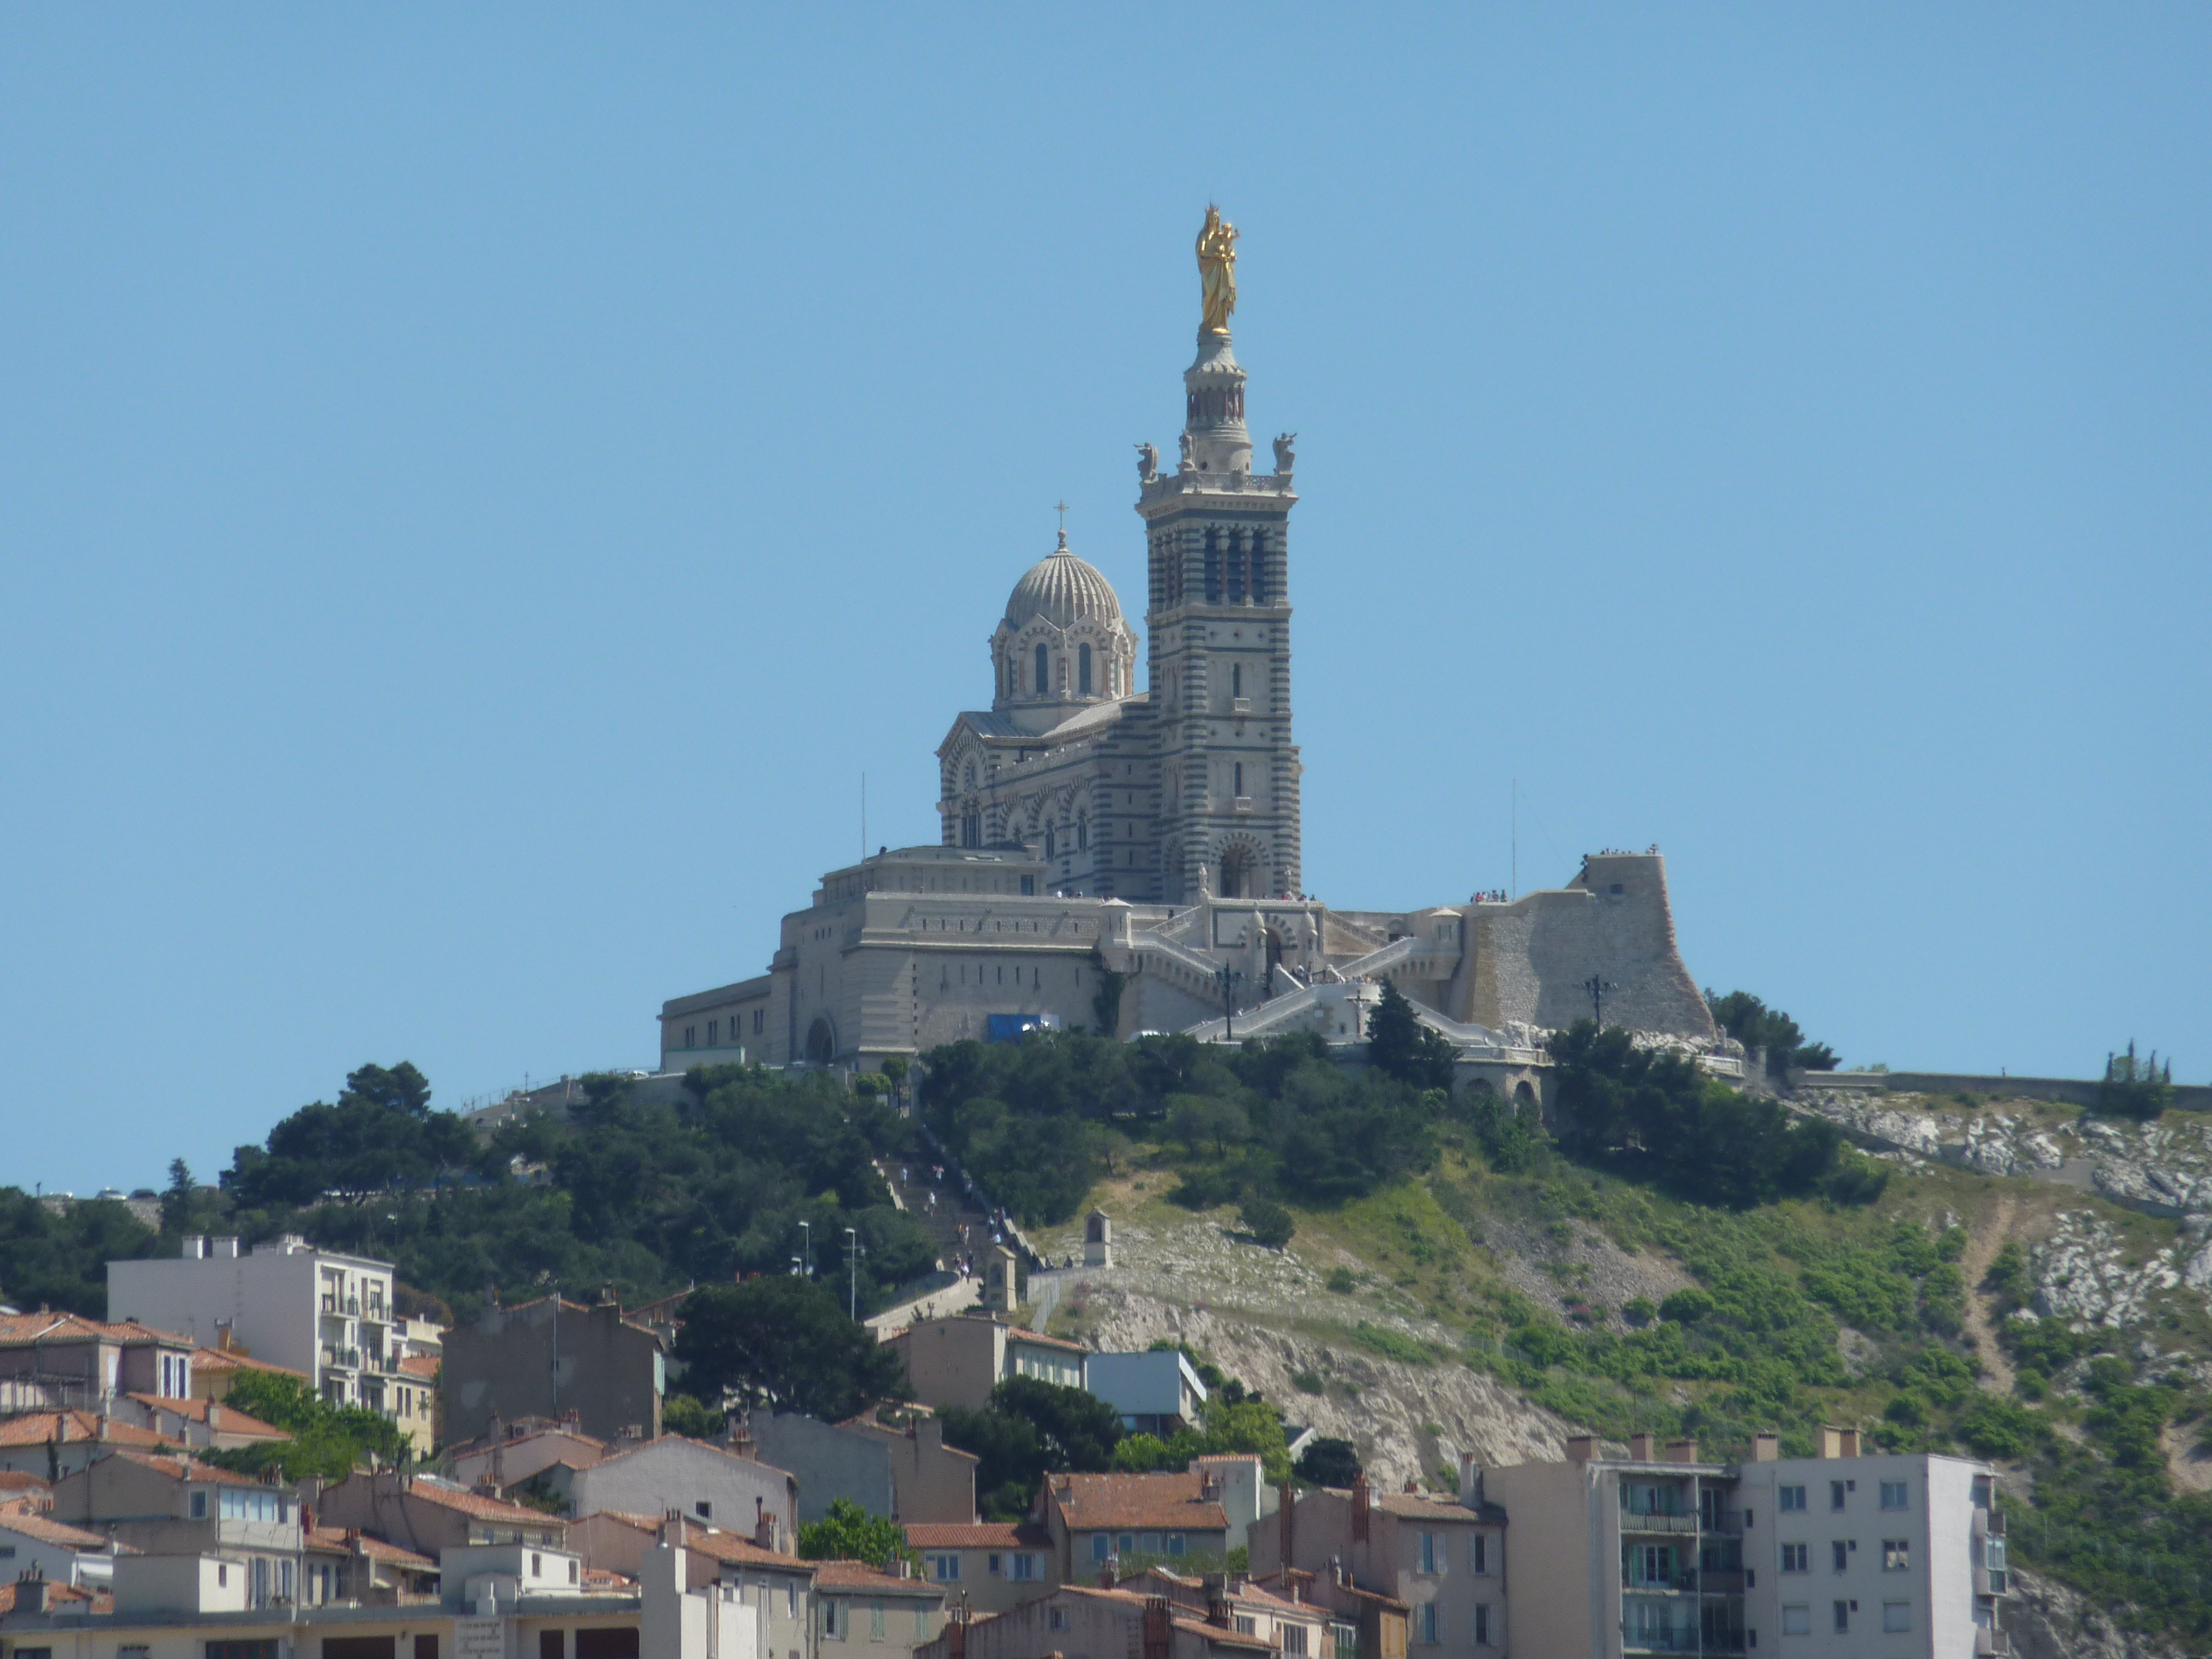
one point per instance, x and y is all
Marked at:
(74, 1428)
(979, 1535)
(21, 1517)
(478, 1507)
(100, 1601)
(231, 1421)
(216, 1363)
(1427, 1508)
(1088, 1502)
(419, 1365)
(17, 1329)
(343, 1541)
(860, 1576)
(183, 1468)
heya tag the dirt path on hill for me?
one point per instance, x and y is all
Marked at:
(1982, 1250)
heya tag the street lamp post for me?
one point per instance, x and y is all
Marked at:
(1230, 979)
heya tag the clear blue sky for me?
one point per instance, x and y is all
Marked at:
(479, 486)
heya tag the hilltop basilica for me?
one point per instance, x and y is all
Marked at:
(1125, 858)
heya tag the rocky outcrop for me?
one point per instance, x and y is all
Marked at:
(2047, 1620)
(2084, 1276)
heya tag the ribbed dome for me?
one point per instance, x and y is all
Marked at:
(1062, 589)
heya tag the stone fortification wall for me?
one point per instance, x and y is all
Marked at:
(1528, 960)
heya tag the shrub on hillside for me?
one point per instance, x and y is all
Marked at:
(2134, 1087)
(1268, 1222)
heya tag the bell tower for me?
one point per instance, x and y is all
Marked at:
(1217, 617)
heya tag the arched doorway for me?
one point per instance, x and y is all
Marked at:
(1237, 871)
(1275, 943)
(821, 1040)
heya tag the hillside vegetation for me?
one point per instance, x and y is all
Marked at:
(1671, 1257)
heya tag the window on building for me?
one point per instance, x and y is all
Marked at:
(1792, 1557)
(691, 1037)
(1482, 1624)
(1101, 1546)
(1175, 1543)
(1259, 567)
(1896, 1617)
(1022, 1568)
(130, 1650)
(1235, 567)
(759, 1015)
(1797, 1621)
(246, 1504)
(1427, 1623)
(1213, 566)
(1294, 1638)
(1125, 1542)
(1239, 789)
(875, 1621)
(1843, 1618)
(1248, 1625)
(1344, 1639)
(1049, 851)
(1428, 1552)
(1478, 1554)
(199, 1506)
(1059, 1620)
(1835, 1494)
(213, 1651)
(1893, 1495)
(945, 1569)
(1083, 669)
(1237, 679)
(1789, 1497)
(1082, 834)
(713, 1032)
(1841, 1553)
(791, 1599)
(1041, 687)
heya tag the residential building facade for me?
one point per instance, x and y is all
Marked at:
(174, 1509)
(903, 1471)
(330, 1317)
(1100, 1524)
(1157, 1392)
(64, 1362)
(1442, 1559)
(696, 1479)
(959, 1359)
(987, 1566)
(552, 1357)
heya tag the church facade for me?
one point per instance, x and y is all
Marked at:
(1128, 859)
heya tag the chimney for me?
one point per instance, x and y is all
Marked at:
(1581, 1448)
(215, 1417)
(763, 1525)
(1849, 1443)
(1639, 1448)
(1766, 1448)
(1412, 1485)
(1681, 1451)
(1832, 1441)
(1217, 1599)
(1470, 1481)
(30, 1596)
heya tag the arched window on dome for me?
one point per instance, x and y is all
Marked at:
(1041, 687)
(1083, 670)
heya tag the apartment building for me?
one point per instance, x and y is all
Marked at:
(957, 1360)
(1101, 1523)
(1157, 1392)
(175, 1509)
(904, 1470)
(1441, 1558)
(1832, 1557)
(328, 1316)
(550, 1357)
(63, 1361)
(987, 1566)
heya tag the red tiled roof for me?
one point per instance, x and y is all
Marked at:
(75, 1428)
(1019, 1333)
(1088, 1502)
(19, 1480)
(100, 1601)
(733, 1546)
(419, 1365)
(1426, 1507)
(22, 1517)
(17, 1329)
(978, 1536)
(343, 1541)
(230, 1421)
(183, 1468)
(215, 1362)
(478, 1507)
(860, 1576)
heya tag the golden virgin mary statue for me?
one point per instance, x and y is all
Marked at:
(1217, 271)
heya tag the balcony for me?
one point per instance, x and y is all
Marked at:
(1679, 1639)
(1990, 1642)
(1673, 1524)
(343, 1359)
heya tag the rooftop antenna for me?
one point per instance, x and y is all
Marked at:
(864, 817)
(1516, 838)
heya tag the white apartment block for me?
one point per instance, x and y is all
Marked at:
(1892, 1556)
(327, 1316)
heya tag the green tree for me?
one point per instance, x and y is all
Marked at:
(1400, 1046)
(328, 1440)
(2134, 1087)
(1031, 1428)
(1752, 1023)
(1269, 1223)
(849, 1533)
(1328, 1463)
(784, 1342)
(58, 1257)
(381, 1133)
